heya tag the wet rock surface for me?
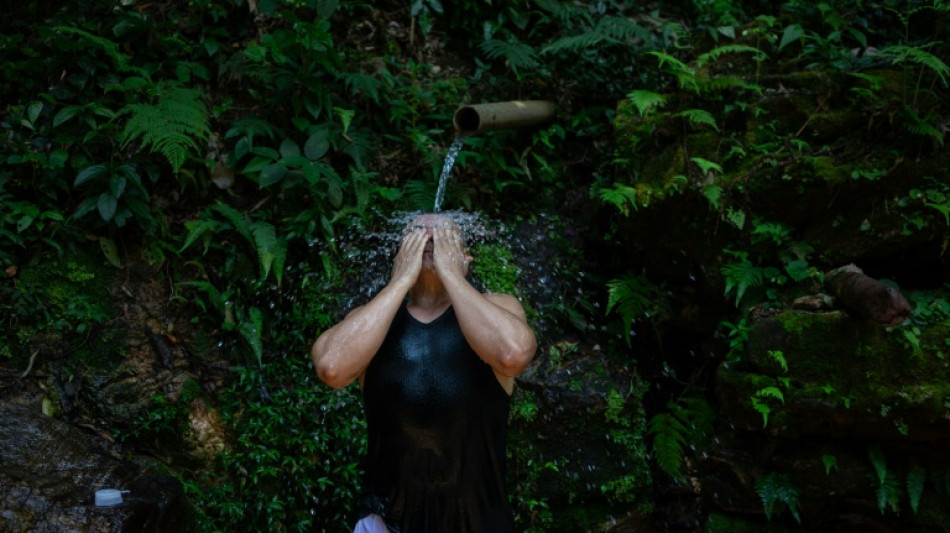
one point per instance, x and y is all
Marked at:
(860, 415)
(51, 471)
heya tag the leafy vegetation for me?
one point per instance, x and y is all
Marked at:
(236, 147)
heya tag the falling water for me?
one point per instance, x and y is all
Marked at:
(450, 157)
(373, 248)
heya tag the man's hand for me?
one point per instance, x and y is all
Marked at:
(408, 262)
(449, 254)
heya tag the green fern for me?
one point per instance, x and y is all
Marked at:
(741, 276)
(830, 462)
(646, 101)
(920, 126)
(271, 250)
(683, 72)
(200, 228)
(359, 83)
(888, 489)
(918, 55)
(778, 488)
(621, 196)
(250, 331)
(176, 124)
(237, 219)
(631, 296)
(696, 117)
(610, 30)
(574, 43)
(719, 51)
(621, 29)
(916, 478)
(760, 404)
(668, 442)
(706, 166)
(518, 55)
(685, 423)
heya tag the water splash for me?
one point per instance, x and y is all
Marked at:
(373, 248)
(450, 158)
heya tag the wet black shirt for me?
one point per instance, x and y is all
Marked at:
(437, 419)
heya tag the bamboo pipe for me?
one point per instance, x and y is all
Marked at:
(472, 119)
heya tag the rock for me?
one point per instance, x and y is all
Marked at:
(867, 297)
(51, 471)
(594, 441)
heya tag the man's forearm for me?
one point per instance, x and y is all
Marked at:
(342, 352)
(494, 326)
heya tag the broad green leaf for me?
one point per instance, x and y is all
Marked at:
(110, 250)
(289, 148)
(89, 173)
(107, 204)
(316, 146)
(793, 32)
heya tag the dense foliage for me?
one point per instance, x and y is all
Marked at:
(233, 146)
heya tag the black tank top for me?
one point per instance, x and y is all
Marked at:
(437, 421)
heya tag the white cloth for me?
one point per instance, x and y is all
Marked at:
(371, 524)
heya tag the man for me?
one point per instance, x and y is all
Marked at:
(436, 361)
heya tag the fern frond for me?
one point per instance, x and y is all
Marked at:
(916, 478)
(646, 101)
(359, 83)
(719, 51)
(621, 29)
(574, 43)
(919, 126)
(699, 116)
(265, 243)
(237, 220)
(721, 83)
(778, 487)
(878, 462)
(250, 331)
(420, 193)
(740, 276)
(173, 126)
(889, 493)
(199, 228)
(771, 392)
(621, 196)
(918, 55)
(683, 72)
(567, 13)
(360, 147)
(631, 296)
(705, 165)
(688, 421)
(518, 55)
(668, 440)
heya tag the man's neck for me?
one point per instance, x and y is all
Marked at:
(428, 293)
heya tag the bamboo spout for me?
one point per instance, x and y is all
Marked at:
(472, 119)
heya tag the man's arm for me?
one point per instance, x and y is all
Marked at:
(494, 325)
(343, 352)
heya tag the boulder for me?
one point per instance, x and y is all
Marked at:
(52, 470)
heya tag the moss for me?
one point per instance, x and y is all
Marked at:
(70, 303)
(495, 270)
(827, 169)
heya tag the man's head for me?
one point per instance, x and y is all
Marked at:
(429, 223)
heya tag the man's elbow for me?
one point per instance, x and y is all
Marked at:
(516, 360)
(325, 367)
(327, 372)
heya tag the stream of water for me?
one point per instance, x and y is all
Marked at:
(450, 158)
